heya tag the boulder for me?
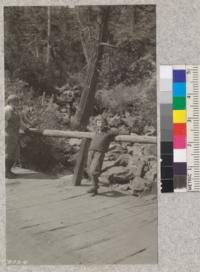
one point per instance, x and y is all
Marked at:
(116, 170)
(124, 187)
(135, 149)
(151, 175)
(136, 166)
(120, 175)
(114, 152)
(150, 150)
(111, 157)
(140, 186)
(123, 160)
(119, 179)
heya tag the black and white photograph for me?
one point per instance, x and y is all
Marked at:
(80, 135)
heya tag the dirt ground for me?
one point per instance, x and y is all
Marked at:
(50, 221)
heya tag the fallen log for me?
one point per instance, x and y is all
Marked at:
(80, 134)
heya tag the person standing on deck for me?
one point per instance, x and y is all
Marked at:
(98, 147)
(13, 123)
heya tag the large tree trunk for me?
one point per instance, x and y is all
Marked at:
(87, 99)
(88, 96)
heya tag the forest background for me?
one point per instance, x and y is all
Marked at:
(47, 58)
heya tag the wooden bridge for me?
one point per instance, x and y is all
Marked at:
(50, 221)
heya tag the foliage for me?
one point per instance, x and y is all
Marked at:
(130, 59)
(26, 46)
(138, 100)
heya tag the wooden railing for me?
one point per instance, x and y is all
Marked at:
(89, 135)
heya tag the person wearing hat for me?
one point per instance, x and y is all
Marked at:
(98, 147)
(13, 123)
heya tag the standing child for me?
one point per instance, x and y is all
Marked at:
(98, 147)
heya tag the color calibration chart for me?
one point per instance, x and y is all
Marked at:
(180, 128)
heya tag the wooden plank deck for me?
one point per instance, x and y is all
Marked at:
(49, 221)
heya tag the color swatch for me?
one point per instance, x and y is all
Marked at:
(166, 124)
(180, 128)
(179, 135)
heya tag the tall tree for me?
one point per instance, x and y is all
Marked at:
(48, 34)
(81, 31)
(87, 98)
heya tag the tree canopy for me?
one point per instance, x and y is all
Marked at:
(129, 56)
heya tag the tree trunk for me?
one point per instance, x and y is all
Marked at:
(36, 51)
(48, 34)
(133, 17)
(81, 33)
(87, 99)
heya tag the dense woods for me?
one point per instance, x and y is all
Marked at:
(49, 47)
(49, 52)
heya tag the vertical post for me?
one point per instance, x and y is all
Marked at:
(80, 164)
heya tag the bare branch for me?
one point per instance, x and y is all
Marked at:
(109, 45)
